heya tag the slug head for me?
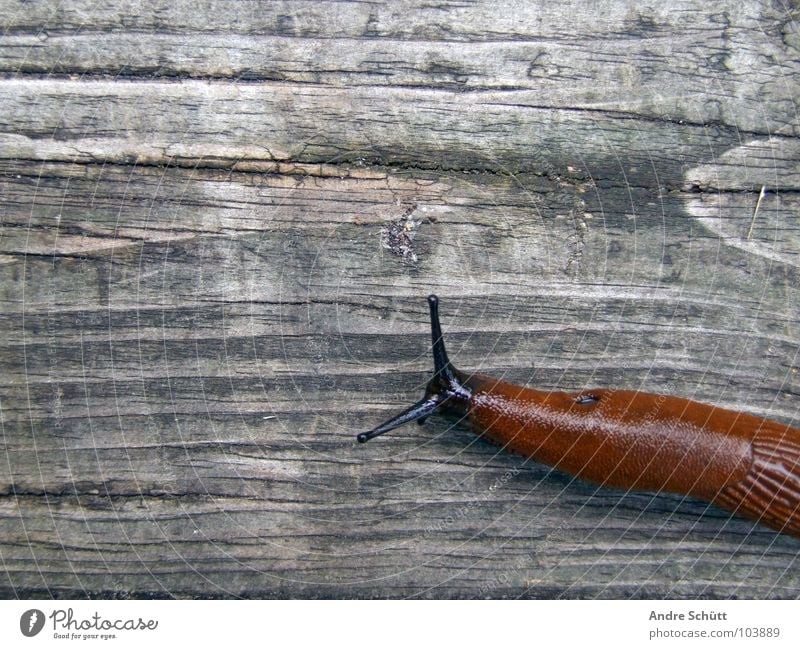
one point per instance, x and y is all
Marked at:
(444, 391)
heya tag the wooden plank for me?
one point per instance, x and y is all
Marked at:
(200, 310)
(200, 123)
(681, 61)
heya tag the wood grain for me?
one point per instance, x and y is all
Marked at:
(199, 313)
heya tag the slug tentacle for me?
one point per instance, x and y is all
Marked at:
(625, 439)
(445, 390)
(418, 412)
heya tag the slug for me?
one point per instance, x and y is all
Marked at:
(626, 439)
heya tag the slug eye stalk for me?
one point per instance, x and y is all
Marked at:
(420, 411)
(443, 386)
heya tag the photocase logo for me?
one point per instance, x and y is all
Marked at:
(68, 627)
(31, 622)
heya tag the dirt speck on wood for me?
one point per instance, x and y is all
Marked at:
(399, 235)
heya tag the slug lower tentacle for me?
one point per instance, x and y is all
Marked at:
(626, 439)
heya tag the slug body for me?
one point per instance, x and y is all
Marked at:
(626, 439)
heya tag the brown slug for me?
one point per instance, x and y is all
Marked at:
(626, 439)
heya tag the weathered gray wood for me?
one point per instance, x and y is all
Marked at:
(198, 311)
